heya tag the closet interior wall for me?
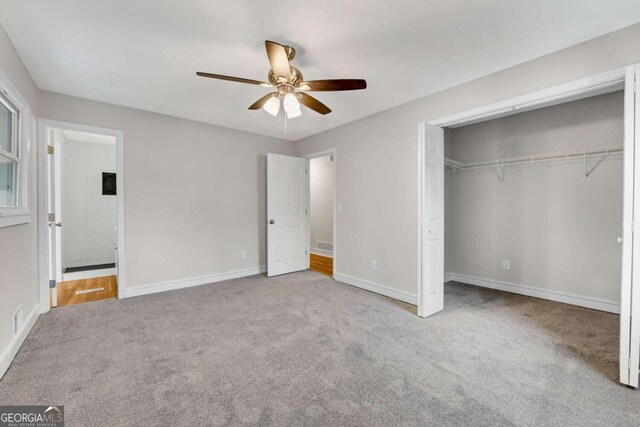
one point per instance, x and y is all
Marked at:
(557, 230)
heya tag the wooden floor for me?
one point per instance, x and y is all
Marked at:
(321, 264)
(86, 290)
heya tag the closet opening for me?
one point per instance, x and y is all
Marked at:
(321, 211)
(534, 201)
(539, 199)
(533, 207)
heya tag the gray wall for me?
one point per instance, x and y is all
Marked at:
(377, 157)
(322, 186)
(558, 230)
(18, 244)
(216, 180)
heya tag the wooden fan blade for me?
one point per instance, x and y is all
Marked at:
(279, 59)
(260, 102)
(334, 85)
(310, 102)
(234, 79)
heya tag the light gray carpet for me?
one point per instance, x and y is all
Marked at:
(302, 349)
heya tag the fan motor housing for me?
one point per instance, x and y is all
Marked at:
(296, 77)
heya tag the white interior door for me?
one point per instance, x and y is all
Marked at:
(431, 295)
(286, 214)
(630, 286)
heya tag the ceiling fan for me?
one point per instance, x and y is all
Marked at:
(290, 85)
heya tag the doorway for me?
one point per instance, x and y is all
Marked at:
(289, 239)
(322, 184)
(593, 151)
(83, 211)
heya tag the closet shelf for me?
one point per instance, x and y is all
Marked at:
(537, 158)
(603, 153)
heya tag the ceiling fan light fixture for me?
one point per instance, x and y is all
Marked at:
(293, 114)
(290, 85)
(272, 106)
(291, 104)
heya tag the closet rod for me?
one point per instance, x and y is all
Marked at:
(584, 154)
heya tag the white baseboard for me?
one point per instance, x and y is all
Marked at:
(7, 355)
(448, 277)
(596, 304)
(195, 281)
(377, 288)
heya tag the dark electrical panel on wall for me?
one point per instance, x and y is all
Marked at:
(108, 184)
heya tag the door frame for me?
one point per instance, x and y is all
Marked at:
(308, 157)
(44, 125)
(630, 312)
(564, 92)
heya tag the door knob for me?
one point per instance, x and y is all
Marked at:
(620, 239)
(58, 224)
(271, 221)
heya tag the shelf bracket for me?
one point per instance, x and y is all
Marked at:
(587, 173)
(499, 171)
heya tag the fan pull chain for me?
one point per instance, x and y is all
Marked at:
(283, 117)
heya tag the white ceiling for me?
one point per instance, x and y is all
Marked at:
(144, 54)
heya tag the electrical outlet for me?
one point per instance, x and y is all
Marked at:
(17, 320)
(243, 254)
(374, 265)
(339, 207)
(506, 264)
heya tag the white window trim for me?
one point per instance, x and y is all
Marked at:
(22, 213)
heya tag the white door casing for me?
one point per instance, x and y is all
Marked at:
(627, 222)
(53, 204)
(431, 295)
(630, 286)
(54, 156)
(49, 242)
(286, 214)
(308, 158)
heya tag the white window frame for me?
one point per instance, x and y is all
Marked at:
(21, 213)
